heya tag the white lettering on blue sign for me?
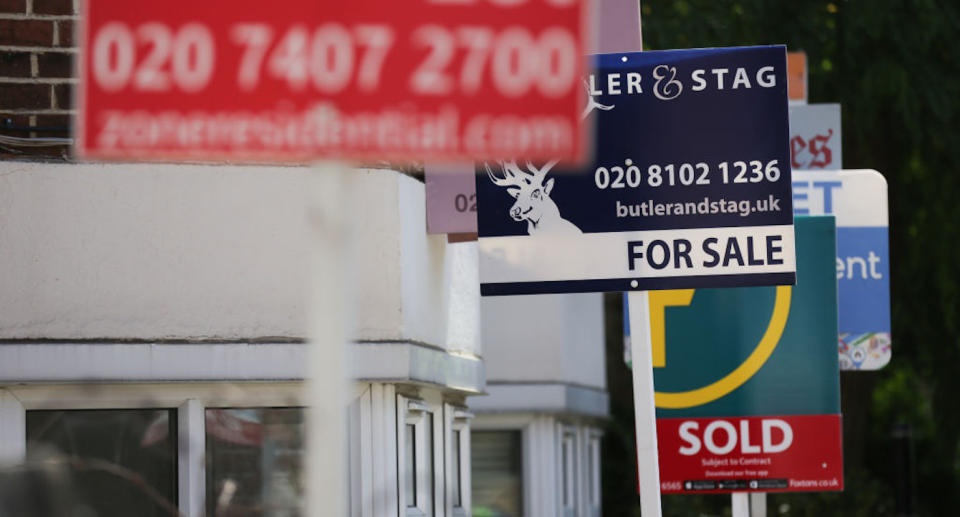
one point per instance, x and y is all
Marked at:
(670, 81)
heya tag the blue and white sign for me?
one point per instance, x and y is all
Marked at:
(689, 186)
(858, 199)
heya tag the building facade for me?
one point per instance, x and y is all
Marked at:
(536, 437)
(164, 310)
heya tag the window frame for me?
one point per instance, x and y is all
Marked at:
(304, 438)
(144, 489)
(457, 419)
(429, 454)
(569, 466)
(532, 502)
(190, 400)
(591, 472)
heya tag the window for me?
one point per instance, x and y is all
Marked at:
(497, 461)
(255, 461)
(428, 470)
(120, 461)
(457, 428)
(455, 481)
(420, 432)
(568, 466)
(209, 456)
(593, 474)
(410, 476)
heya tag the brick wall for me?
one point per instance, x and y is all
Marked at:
(36, 72)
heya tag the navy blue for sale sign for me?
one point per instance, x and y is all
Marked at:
(689, 186)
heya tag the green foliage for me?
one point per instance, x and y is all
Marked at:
(865, 496)
(894, 65)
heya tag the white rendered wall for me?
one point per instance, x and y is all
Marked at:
(160, 252)
(545, 339)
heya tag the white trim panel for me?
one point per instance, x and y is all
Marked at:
(155, 362)
(548, 397)
(169, 395)
(58, 362)
(606, 255)
(407, 362)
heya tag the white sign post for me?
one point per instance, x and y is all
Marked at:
(615, 35)
(749, 504)
(740, 503)
(648, 461)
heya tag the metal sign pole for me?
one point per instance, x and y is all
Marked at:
(747, 504)
(741, 504)
(758, 504)
(648, 466)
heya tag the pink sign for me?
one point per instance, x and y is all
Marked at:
(619, 29)
(451, 198)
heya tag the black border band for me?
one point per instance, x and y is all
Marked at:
(642, 284)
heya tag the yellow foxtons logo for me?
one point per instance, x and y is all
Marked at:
(660, 300)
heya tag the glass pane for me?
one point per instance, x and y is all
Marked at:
(565, 458)
(497, 471)
(255, 462)
(591, 471)
(595, 471)
(455, 468)
(569, 472)
(410, 479)
(428, 468)
(120, 462)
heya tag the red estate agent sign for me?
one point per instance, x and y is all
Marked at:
(299, 79)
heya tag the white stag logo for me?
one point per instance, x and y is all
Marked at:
(532, 194)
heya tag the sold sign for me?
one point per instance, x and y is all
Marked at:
(747, 389)
(455, 79)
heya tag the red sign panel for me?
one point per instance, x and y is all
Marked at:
(299, 79)
(765, 454)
